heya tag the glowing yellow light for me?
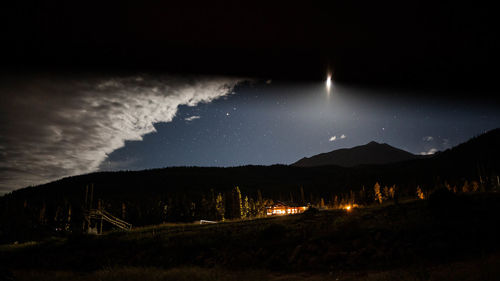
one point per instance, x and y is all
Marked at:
(348, 208)
(328, 83)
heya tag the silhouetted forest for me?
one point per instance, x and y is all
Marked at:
(185, 194)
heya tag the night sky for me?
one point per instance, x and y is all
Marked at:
(88, 88)
(267, 123)
(54, 126)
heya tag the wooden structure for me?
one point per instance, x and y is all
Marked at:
(207, 222)
(280, 209)
(94, 218)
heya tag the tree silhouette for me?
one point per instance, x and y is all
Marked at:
(246, 208)
(420, 193)
(378, 194)
(220, 207)
(466, 187)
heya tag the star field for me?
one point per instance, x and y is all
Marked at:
(267, 123)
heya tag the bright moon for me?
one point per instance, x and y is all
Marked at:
(328, 83)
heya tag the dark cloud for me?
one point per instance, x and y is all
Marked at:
(51, 128)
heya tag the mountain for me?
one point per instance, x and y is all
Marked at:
(370, 153)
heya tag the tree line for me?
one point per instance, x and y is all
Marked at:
(23, 216)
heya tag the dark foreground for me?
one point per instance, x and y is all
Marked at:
(447, 237)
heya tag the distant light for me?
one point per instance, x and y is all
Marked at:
(348, 208)
(328, 83)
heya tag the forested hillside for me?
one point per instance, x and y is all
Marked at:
(183, 194)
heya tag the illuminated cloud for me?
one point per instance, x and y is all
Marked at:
(334, 138)
(191, 118)
(427, 138)
(52, 128)
(429, 152)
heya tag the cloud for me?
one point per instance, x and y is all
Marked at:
(54, 127)
(429, 152)
(191, 118)
(334, 138)
(428, 138)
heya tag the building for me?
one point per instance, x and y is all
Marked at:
(280, 209)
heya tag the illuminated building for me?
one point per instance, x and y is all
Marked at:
(280, 209)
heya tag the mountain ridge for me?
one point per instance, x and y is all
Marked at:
(367, 154)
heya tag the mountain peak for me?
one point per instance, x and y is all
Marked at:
(370, 153)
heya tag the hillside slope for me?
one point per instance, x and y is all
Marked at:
(416, 233)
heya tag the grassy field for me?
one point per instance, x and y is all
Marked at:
(443, 238)
(486, 269)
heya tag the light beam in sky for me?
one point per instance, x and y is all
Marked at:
(328, 83)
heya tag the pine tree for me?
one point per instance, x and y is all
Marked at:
(68, 219)
(69, 214)
(362, 196)
(395, 194)
(252, 208)
(302, 197)
(392, 191)
(352, 197)
(260, 205)
(220, 207)
(386, 192)
(378, 194)
(466, 187)
(475, 186)
(57, 216)
(246, 208)
(238, 208)
(203, 211)
(420, 193)
(124, 210)
(164, 212)
(192, 210)
(42, 219)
